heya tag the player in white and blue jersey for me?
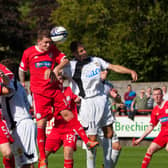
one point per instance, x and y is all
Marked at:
(85, 75)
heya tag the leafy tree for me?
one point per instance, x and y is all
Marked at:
(13, 30)
(39, 14)
(131, 33)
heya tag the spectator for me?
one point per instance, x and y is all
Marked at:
(150, 100)
(128, 97)
(165, 92)
(139, 103)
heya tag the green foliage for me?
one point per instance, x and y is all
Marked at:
(126, 32)
(13, 30)
(130, 33)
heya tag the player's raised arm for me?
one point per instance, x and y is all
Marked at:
(123, 70)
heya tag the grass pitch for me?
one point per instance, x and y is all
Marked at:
(131, 157)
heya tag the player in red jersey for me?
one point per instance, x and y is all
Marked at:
(62, 133)
(40, 60)
(159, 114)
(5, 137)
(5, 141)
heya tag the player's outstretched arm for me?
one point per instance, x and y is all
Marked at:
(123, 70)
(147, 131)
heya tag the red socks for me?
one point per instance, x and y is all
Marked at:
(146, 160)
(75, 124)
(41, 141)
(9, 162)
(68, 163)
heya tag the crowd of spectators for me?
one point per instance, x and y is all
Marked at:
(133, 102)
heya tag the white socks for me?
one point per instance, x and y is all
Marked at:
(115, 156)
(91, 158)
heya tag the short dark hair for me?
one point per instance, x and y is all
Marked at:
(154, 89)
(43, 33)
(74, 46)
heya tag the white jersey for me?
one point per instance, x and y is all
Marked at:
(15, 106)
(15, 109)
(85, 76)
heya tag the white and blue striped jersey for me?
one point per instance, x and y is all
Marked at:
(85, 76)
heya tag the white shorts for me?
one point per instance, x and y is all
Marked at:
(24, 147)
(95, 113)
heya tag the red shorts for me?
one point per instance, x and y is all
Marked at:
(161, 139)
(56, 139)
(46, 106)
(5, 136)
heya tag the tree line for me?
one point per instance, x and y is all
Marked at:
(126, 32)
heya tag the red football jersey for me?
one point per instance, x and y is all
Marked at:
(59, 122)
(160, 114)
(37, 62)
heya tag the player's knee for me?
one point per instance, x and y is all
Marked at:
(108, 134)
(68, 153)
(42, 123)
(150, 151)
(7, 153)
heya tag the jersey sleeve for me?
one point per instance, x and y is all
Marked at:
(154, 121)
(24, 64)
(103, 63)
